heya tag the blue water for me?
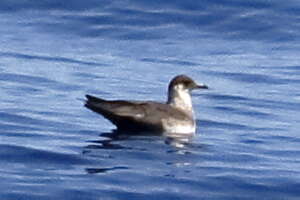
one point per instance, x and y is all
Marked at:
(54, 52)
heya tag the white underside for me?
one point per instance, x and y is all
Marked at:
(179, 127)
(180, 98)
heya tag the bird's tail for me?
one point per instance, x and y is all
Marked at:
(92, 102)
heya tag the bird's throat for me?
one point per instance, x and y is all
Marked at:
(181, 99)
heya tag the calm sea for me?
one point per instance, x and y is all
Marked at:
(54, 52)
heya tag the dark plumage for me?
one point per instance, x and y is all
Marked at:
(146, 115)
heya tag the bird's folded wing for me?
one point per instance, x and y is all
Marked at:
(116, 108)
(147, 112)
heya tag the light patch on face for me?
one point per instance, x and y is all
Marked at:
(180, 87)
(182, 97)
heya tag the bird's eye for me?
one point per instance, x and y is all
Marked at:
(187, 83)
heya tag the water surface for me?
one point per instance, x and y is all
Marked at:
(53, 53)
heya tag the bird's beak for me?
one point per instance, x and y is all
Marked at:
(201, 86)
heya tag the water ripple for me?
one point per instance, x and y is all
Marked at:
(170, 61)
(36, 157)
(53, 52)
(250, 78)
(35, 80)
(48, 58)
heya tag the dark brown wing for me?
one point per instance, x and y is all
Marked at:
(133, 115)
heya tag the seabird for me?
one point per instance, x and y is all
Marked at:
(176, 116)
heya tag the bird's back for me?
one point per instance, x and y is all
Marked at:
(136, 115)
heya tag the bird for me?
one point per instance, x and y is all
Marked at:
(175, 116)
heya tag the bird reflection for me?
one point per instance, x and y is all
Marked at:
(109, 140)
(104, 170)
(178, 140)
(106, 141)
(116, 140)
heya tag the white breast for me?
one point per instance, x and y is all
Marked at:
(180, 98)
(179, 127)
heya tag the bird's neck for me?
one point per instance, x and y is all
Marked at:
(181, 99)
